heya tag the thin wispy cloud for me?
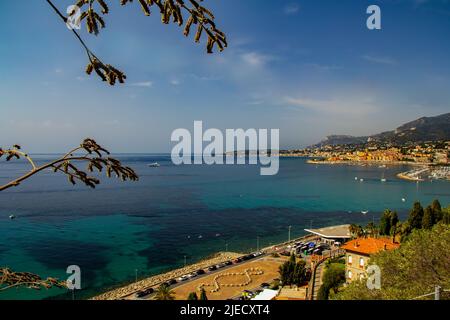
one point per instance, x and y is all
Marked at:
(323, 67)
(144, 84)
(336, 105)
(256, 59)
(380, 60)
(291, 9)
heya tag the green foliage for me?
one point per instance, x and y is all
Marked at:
(292, 272)
(446, 215)
(356, 230)
(394, 222)
(192, 296)
(274, 285)
(164, 293)
(429, 219)
(371, 229)
(436, 206)
(333, 278)
(437, 210)
(410, 271)
(203, 295)
(385, 222)
(416, 216)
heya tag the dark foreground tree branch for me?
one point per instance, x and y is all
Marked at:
(10, 279)
(89, 152)
(93, 12)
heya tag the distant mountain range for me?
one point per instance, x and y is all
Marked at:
(420, 130)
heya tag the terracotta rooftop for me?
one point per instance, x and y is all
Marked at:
(370, 246)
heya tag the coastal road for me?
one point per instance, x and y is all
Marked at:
(266, 252)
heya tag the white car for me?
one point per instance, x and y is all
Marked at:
(183, 278)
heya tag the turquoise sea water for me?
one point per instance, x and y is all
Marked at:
(177, 211)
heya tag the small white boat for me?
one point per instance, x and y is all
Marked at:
(403, 200)
(383, 180)
(356, 178)
(12, 217)
(365, 212)
(362, 180)
(154, 165)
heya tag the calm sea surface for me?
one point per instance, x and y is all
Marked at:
(177, 211)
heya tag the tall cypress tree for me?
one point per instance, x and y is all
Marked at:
(437, 210)
(416, 216)
(192, 296)
(428, 220)
(385, 222)
(203, 295)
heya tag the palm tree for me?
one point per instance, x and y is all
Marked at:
(353, 229)
(164, 293)
(360, 231)
(371, 229)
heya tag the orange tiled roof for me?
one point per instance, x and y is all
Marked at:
(370, 246)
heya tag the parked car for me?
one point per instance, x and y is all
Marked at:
(183, 278)
(212, 268)
(200, 272)
(318, 251)
(228, 263)
(139, 294)
(237, 260)
(149, 291)
(265, 285)
(171, 282)
(285, 253)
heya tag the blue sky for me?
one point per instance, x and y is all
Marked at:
(309, 68)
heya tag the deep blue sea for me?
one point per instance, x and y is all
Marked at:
(177, 211)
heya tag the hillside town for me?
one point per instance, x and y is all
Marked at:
(423, 153)
(433, 157)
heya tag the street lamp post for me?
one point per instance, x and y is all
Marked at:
(289, 233)
(185, 262)
(136, 274)
(257, 243)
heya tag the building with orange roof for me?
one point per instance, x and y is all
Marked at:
(358, 252)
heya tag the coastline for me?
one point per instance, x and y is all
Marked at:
(128, 290)
(368, 162)
(405, 176)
